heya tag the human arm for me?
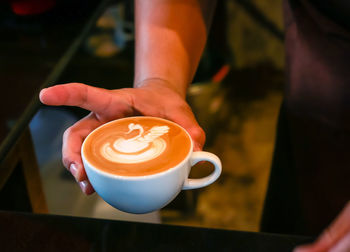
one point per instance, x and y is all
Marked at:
(170, 37)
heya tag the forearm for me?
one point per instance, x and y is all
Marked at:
(170, 38)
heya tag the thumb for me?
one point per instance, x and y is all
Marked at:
(94, 99)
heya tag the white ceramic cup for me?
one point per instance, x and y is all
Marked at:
(143, 194)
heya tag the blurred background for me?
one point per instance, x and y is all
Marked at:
(235, 96)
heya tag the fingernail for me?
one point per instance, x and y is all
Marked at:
(40, 93)
(42, 90)
(83, 185)
(74, 170)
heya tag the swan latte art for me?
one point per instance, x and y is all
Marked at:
(137, 146)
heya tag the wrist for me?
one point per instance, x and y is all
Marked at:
(160, 83)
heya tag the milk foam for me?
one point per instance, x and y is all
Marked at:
(143, 147)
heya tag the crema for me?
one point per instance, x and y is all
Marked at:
(137, 146)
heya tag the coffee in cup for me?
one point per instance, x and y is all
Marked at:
(137, 146)
(139, 164)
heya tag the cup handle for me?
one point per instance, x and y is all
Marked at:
(198, 183)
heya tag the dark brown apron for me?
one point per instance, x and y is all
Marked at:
(310, 176)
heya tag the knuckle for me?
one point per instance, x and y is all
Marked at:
(329, 235)
(77, 84)
(68, 132)
(66, 161)
(198, 134)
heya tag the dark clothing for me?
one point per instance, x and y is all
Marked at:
(310, 177)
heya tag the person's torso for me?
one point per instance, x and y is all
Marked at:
(318, 57)
(317, 99)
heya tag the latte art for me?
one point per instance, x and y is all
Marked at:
(141, 148)
(137, 146)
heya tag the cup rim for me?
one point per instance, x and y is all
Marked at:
(142, 177)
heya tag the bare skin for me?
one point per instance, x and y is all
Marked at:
(170, 37)
(105, 105)
(336, 238)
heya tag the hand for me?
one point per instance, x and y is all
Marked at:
(335, 238)
(152, 99)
